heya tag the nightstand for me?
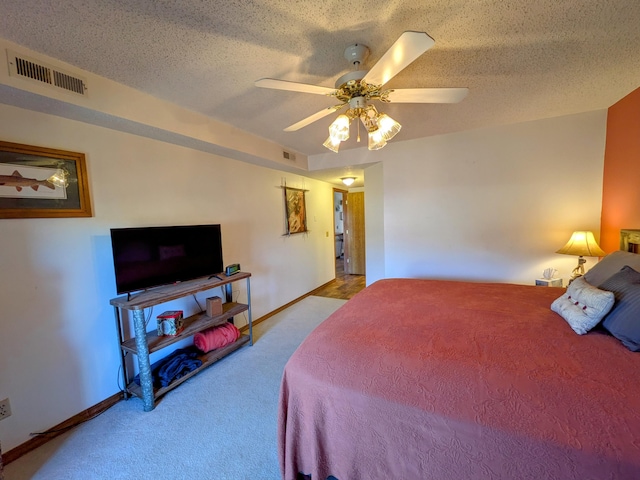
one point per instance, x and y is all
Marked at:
(553, 282)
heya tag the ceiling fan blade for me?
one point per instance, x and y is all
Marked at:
(312, 118)
(405, 50)
(293, 86)
(427, 95)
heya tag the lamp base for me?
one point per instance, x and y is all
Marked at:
(579, 270)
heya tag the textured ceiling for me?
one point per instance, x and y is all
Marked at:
(521, 59)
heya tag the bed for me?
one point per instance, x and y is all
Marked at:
(425, 379)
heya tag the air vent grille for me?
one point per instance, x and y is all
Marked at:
(68, 82)
(289, 155)
(24, 67)
(33, 70)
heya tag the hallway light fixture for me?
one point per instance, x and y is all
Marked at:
(348, 181)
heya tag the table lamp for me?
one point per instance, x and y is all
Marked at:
(583, 244)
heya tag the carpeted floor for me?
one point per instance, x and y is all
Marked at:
(221, 424)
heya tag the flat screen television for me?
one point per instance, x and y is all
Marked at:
(147, 257)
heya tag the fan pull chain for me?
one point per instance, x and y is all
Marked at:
(358, 139)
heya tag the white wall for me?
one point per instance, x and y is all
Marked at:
(493, 204)
(58, 352)
(490, 204)
(374, 222)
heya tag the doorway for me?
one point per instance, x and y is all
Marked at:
(339, 204)
(349, 232)
(345, 285)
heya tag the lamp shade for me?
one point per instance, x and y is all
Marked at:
(583, 244)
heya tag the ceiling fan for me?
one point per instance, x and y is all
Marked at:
(358, 88)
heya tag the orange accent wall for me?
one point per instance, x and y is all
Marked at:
(621, 178)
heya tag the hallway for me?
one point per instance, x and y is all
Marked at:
(344, 286)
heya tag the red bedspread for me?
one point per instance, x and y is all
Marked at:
(421, 379)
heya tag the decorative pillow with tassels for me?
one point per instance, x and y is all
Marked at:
(583, 305)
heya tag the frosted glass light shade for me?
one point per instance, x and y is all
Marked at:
(388, 126)
(369, 118)
(376, 140)
(332, 144)
(339, 129)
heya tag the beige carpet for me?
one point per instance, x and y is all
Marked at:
(221, 424)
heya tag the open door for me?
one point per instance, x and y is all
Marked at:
(354, 234)
(339, 201)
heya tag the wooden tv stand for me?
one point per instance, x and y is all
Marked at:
(143, 343)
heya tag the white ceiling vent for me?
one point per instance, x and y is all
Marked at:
(289, 155)
(25, 67)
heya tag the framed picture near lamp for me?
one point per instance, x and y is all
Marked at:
(39, 182)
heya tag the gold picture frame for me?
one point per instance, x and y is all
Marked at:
(295, 210)
(38, 182)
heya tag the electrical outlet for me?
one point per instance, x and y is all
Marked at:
(5, 409)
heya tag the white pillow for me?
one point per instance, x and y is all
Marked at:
(583, 305)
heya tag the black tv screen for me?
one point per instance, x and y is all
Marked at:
(148, 257)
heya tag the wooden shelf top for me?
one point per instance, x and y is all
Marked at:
(155, 296)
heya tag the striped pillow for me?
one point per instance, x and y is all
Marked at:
(623, 321)
(610, 265)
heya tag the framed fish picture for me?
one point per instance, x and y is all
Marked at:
(38, 182)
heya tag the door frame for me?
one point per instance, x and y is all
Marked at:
(343, 193)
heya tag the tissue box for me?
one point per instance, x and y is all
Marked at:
(214, 306)
(170, 323)
(552, 282)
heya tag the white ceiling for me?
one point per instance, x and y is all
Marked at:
(521, 59)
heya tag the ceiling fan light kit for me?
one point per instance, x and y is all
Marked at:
(380, 127)
(356, 89)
